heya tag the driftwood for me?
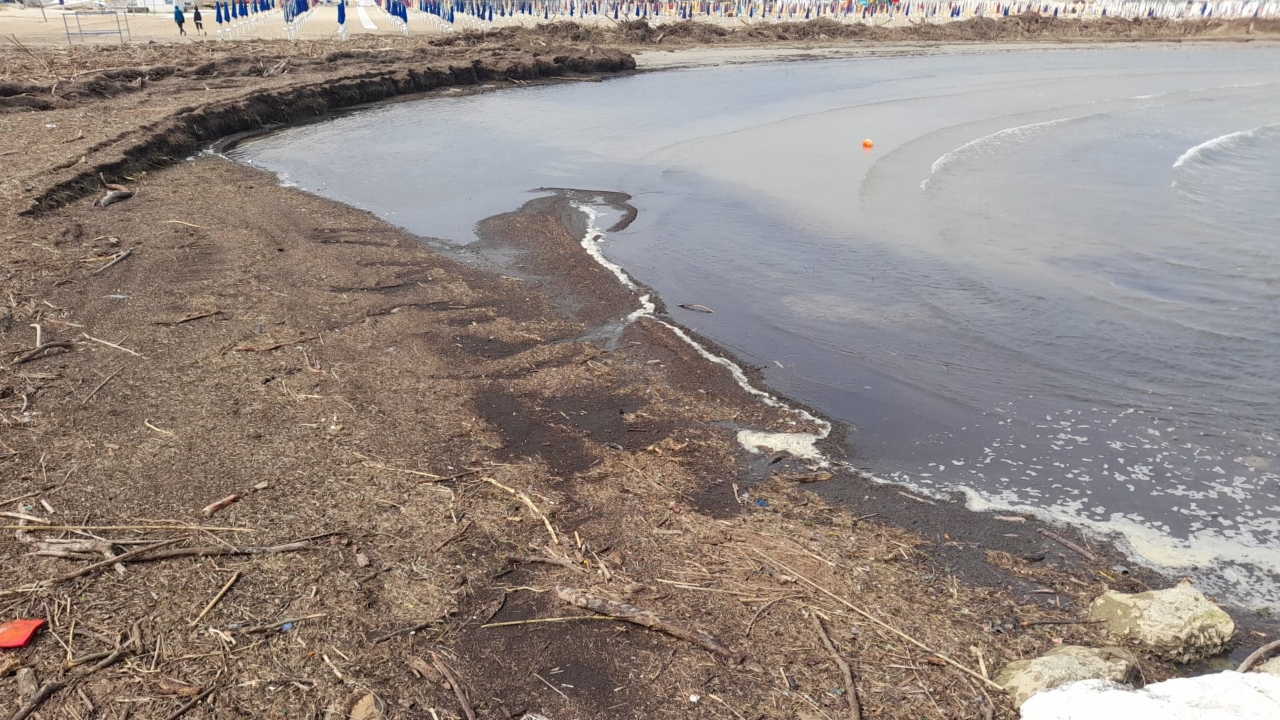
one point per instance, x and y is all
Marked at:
(41, 349)
(1068, 544)
(34, 703)
(645, 618)
(850, 692)
(1258, 656)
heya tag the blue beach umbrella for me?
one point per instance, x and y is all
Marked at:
(217, 10)
(342, 13)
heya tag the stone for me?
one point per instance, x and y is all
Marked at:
(1218, 696)
(1062, 665)
(1178, 624)
(1271, 666)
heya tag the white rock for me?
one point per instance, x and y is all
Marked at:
(1179, 624)
(1221, 696)
(1062, 665)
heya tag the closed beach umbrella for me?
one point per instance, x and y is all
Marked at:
(217, 10)
(342, 13)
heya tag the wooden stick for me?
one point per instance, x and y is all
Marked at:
(457, 689)
(227, 501)
(553, 687)
(99, 565)
(43, 694)
(216, 598)
(850, 692)
(1258, 656)
(536, 621)
(87, 336)
(40, 349)
(277, 346)
(219, 550)
(194, 702)
(118, 257)
(1030, 623)
(189, 318)
(533, 508)
(179, 222)
(454, 536)
(101, 385)
(645, 618)
(404, 631)
(31, 494)
(1068, 544)
(879, 622)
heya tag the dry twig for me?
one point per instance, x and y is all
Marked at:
(850, 692)
(34, 703)
(1068, 544)
(645, 618)
(457, 688)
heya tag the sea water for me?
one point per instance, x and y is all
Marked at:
(1052, 286)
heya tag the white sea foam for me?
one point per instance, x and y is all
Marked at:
(1197, 150)
(989, 142)
(802, 445)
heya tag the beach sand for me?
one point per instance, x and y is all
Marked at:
(449, 439)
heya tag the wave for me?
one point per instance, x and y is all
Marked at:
(990, 141)
(1197, 150)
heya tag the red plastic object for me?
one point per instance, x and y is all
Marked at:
(17, 633)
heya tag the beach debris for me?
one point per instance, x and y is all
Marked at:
(805, 477)
(453, 683)
(369, 707)
(868, 144)
(113, 197)
(850, 691)
(31, 694)
(1068, 544)
(1179, 624)
(1062, 665)
(225, 502)
(115, 259)
(698, 308)
(17, 633)
(651, 620)
(1217, 695)
(1271, 666)
(421, 668)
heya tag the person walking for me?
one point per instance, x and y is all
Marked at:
(199, 21)
(178, 18)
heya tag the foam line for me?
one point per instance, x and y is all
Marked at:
(802, 445)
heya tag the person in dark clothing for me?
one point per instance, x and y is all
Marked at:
(199, 21)
(178, 18)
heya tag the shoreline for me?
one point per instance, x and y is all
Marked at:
(287, 339)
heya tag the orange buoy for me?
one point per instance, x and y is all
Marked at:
(868, 144)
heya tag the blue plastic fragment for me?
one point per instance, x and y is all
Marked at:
(761, 502)
(286, 627)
